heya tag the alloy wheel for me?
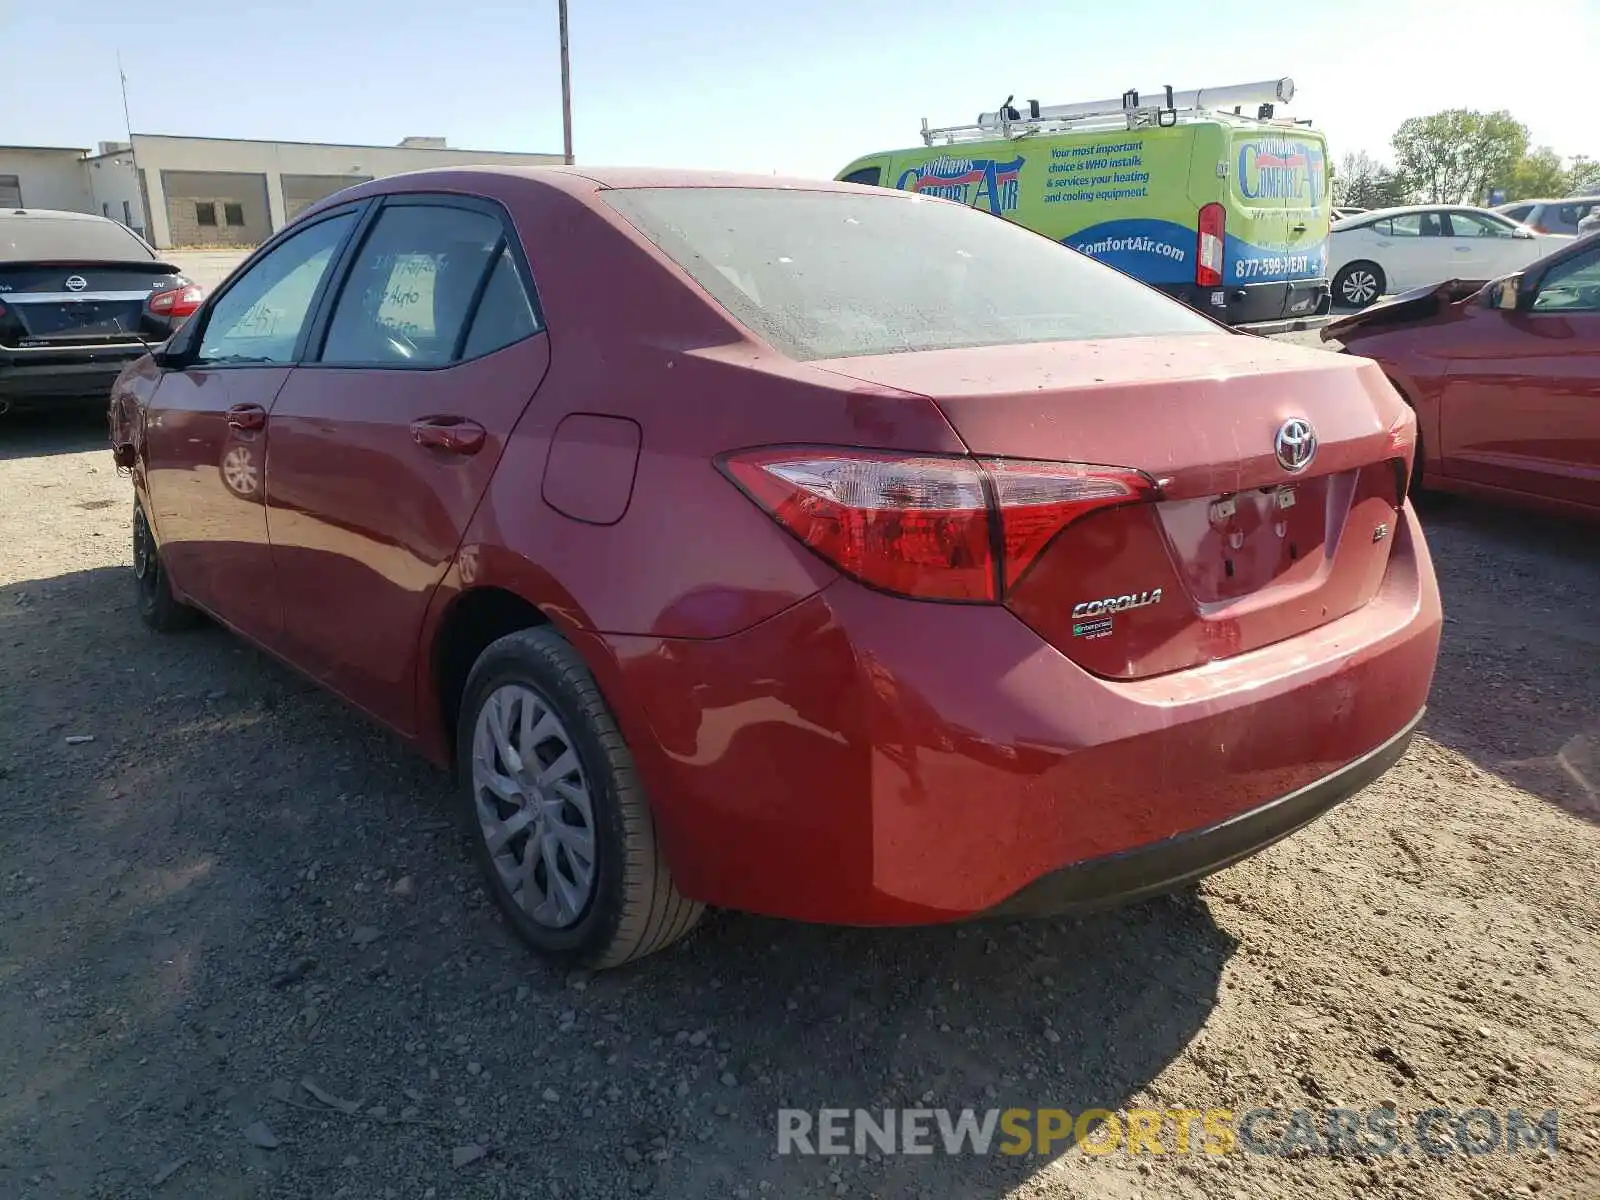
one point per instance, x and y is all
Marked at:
(1360, 287)
(534, 806)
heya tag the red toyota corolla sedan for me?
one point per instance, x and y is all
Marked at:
(803, 548)
(1505, 378)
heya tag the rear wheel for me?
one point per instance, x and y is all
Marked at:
(561, 824)
(1358, 284)
(158, 607)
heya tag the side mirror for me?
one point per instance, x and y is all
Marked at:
(178, 350)
(1504, 293)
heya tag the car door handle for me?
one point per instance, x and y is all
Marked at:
(1463, 249)
(1300, 228)
(453, 435)
(247, 416)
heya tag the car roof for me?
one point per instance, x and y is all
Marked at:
(1404, 209)
(54, 214)
(584, 179)
(581, 183)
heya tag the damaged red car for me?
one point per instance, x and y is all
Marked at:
(816, 550)
(1504, 376)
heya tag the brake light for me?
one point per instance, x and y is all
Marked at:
(1209, 244)
(178, 301)
(931, 527)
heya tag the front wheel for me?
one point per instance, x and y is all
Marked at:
(158, 607)
(1358, 284)
(561, 823)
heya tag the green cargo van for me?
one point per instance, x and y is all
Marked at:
(1224, 211)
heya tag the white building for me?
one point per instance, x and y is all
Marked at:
(197, 192)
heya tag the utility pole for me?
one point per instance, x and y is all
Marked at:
(566, 86)
(127, 121)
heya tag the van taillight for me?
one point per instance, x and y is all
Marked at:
(1213, 235)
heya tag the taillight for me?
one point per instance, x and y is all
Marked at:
(1209, 244)
(931, 527)
(178, 301)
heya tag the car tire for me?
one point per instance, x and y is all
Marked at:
(1358, 284)
(622, 904)
(158, 607)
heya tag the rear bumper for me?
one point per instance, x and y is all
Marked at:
(30, 380)
(860, 759)
(1283, 306)
(1166, 865)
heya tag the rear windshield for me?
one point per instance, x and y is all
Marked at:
(61, 239)
(835, 274)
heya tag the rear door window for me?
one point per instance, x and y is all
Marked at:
(411, 287)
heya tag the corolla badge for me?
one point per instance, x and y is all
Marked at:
(76, 283)
(1296, 444)
(1115, 604)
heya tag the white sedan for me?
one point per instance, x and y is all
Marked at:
(1396, 249)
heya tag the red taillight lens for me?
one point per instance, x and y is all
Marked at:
(1209, 245)
(932, 527)
(1037, 500)
(178, 301)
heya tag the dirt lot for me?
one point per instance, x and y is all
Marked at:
(237, 885)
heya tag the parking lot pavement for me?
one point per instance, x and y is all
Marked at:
(206, 267)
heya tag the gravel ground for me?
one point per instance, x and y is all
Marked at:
(237, 886)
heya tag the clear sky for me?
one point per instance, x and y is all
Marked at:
(799, 88)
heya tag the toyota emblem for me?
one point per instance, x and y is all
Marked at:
(76, 283)
(1296, 444)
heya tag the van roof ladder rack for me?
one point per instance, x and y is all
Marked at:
(1133, 110)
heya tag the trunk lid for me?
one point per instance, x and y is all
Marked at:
(64, 304)
(1238, 551)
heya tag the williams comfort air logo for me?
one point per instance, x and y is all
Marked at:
(975, 182)
(1278, 170)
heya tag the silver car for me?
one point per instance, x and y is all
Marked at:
(1552, 216)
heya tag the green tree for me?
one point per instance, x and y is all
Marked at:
(1364, 182)
(1538, 174)
(1583, 177)
(1453, 156)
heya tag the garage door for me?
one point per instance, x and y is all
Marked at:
(216, 208)
(302, 191)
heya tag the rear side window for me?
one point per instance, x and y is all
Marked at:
(504, 315)
(1519, 213)
(411, 287)
(832, 274)
(868, 175)
(64, 239)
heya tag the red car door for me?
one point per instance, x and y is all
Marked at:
(385, 438)
(206, 430)
(1521, 403)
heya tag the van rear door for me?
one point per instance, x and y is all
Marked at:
(1277, 210)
